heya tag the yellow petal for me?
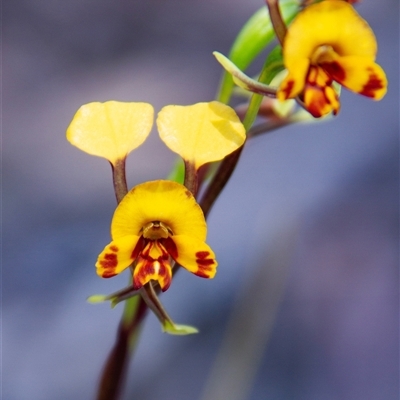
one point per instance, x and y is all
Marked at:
(117, 256)
(201, 133)
(192, 254)
(293, 83)
(165, 201)
(112, 129)
(328, 23)
(359, 74)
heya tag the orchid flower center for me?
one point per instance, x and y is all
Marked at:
(324, 53)
(156, 230)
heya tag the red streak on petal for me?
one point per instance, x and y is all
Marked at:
(170, 247)
(108, 274)
(141, 274)
(202, 254)
(204, 263)
(335, 70)
(140, 245)
(150, 268)
(114, 248)
(201, 274)
(374, 83)
(288, 89)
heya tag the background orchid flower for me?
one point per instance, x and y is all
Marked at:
(327, 42)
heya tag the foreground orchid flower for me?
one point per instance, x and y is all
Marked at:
(327, 42)
(155, 223)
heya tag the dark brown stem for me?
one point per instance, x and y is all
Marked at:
(277, 20)
(150, 297)
(221, 177)
(119, 179)
(114, 371)
(191, 178)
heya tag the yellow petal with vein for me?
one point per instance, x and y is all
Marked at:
(116, 256)
(111, 129)
(194, 255)
(201, 133)
(358, 74)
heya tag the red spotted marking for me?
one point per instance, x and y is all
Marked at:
(109, 260)
(202, 258)
(204, 263)
(374, 83)
(109, 263)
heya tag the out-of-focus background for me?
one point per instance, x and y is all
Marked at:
(305, 302)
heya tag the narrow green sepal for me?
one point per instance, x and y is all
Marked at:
(97, 298)
(114, 298)
(175, 329)
(243, 80)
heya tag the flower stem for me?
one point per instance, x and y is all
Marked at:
(277, 20)
(115, 368)
(119, 179)
(191, 178)
(114, 371)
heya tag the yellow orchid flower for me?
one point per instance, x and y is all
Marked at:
(202, 132)
(111, 129)
(327, 42)
(155, 222)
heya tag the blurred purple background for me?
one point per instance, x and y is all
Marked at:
(306, 232)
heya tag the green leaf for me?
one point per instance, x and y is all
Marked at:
(273, 65)
(254, 37)
(178, 172)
